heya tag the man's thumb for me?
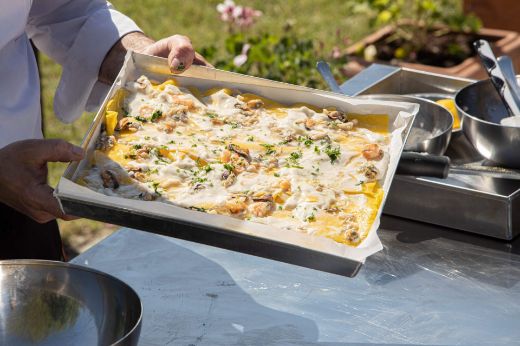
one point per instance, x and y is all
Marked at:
(56, 150)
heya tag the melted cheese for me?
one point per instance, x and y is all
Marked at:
(242, 155)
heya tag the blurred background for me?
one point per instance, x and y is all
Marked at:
(282, 40)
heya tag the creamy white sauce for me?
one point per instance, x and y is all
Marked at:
(195, 147)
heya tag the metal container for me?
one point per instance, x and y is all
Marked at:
(55, 303)
(226, 232)
(482, 109)
(431, 130)
(476, 204)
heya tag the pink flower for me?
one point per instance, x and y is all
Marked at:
(241, 16)
(241, 59)
(226, 10)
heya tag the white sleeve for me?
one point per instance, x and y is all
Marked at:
(77, 34)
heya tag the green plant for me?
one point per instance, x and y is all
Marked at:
(415, 21)
(287, 58)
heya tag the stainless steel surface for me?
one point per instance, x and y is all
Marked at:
(482, 110)
(55, 303)
(432, 96)
(428, 287)
(485, 171)
(431, 129)
(326, 73)
(483, 205)
(497, 76)
(506, 65)
(383, 79)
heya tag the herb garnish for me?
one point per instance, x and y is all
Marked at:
(229, 167)
(156, 115)
(141, 119)
(269, 148)
(332, 153)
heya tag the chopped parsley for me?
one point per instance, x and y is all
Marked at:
(207, 168)
(250, 139)
(269, 148)
(197, 208)
(137, 146)
(311, 218)
(332, 153)
(155, 186)
(277, 175)
(306, 141)
(229, 167)
(317, 150)
(156, 115)
(141, 119)
(125, 112)
(211, 115)
(292, 161)
(295, 155)
(198, 180)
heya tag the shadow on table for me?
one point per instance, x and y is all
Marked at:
(190, 300)
(410, 247)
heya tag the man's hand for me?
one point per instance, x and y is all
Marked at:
(177, 48)
(23, 177)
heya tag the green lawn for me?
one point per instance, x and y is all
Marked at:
(325, 21)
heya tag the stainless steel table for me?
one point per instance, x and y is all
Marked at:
(429, 286)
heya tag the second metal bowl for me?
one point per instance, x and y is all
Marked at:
(482, 109)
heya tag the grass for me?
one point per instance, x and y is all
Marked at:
(326, 21)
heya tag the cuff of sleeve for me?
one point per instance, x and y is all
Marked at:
(81, 68)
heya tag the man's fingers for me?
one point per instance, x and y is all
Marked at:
(70, 217)
(46, 202)
(54, 150)
(181, 53)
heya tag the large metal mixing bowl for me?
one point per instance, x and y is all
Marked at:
(55, 303)
(481, 109)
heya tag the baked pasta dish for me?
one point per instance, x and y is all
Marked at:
(220, 151)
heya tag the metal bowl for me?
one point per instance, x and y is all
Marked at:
(55, 303)
(482, 109)
(431, 130)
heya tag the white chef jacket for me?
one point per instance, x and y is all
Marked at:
(77, 34)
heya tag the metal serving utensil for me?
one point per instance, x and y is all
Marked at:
(496, 74)
(324, 69)
(508, 69)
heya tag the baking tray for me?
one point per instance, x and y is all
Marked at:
(261, 240)
(477, 204)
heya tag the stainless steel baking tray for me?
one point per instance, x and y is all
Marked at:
(477, 204)
(217, 230)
